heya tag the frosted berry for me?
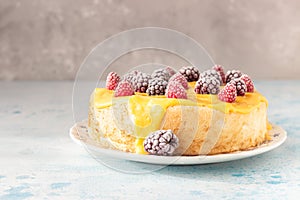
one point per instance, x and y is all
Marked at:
(124, 88)
(248, 82)
(140, 82)
(207, 86)
(156, 86)
(191, 73)
(161, 73)
(112, 80)
(170, 70)
(228, 93)
(232, 74)
(161, 142)
(176, 90)
(130, 76)
(211, 73)
(220, 69)
(241, 87)
(181, 79)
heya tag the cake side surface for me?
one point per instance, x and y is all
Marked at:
(214, 132)
(200, 129)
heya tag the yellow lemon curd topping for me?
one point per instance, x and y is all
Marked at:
(147, 112)
(143, 107)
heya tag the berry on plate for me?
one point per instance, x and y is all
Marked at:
(161, 142)
(228, 93)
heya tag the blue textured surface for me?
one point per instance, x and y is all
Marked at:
(39, 161)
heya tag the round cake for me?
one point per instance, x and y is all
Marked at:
(179, 113)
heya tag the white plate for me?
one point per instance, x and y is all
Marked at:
(79, 135)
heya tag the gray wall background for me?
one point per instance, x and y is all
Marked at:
(48, 40)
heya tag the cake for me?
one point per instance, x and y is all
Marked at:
(179, 113)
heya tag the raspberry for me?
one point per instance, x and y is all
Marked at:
(161, 73)
(248, 82)
(207, 86)
(220, 69)
(140, 82)
(156, 86)
(211, 73)
(112, 80)
(170, 70)
(181, 79)
(191, 73)
(228, 93)
(241, 87)
(232, 75)
(176, 90)
(161, 142)
(124, 88)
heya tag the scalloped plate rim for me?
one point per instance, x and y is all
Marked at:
(183, 160)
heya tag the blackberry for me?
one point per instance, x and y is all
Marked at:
(232, 74)
(241, 87)
(130, 76)
(161, 142)
(157, 86)
(220, 69)
(191, 73)
(211, 73)
(140, 82)
(207, 86)
(161, 73)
